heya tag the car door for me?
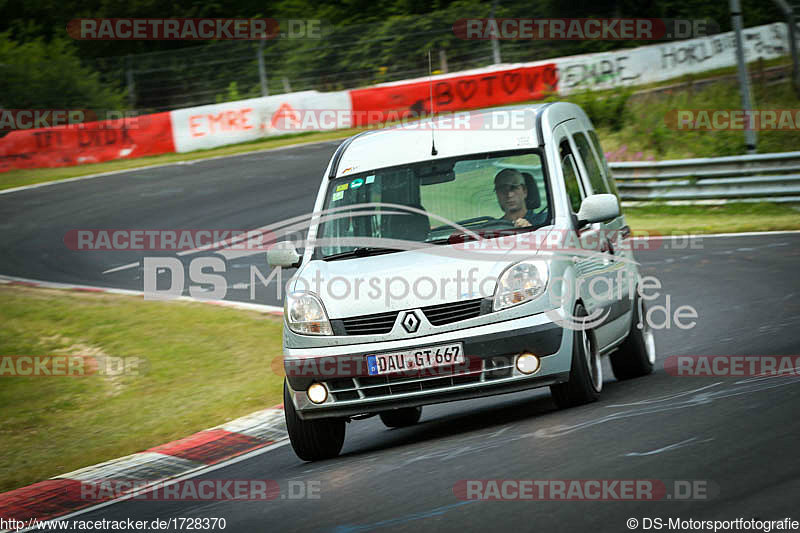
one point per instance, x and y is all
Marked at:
(616, 299)
(620, 235)
(589, 263)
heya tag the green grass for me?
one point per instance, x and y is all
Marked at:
(203, 366)
(637, 129)
(728, 218)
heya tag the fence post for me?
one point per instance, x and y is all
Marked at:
(262, 71)
(788, 12)
(494, 39)
(744, 80)
(130, 82)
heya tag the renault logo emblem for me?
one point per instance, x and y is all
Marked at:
(410, 322)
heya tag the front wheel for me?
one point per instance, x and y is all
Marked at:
(312, 440)
(586, 373)
(400, 418)
(636, 356)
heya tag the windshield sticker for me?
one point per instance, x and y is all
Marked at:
(370, 179)
(356, 183)
(342, 187)
(524, 141)
(337, 196)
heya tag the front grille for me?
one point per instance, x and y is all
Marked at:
(441, 314)
(369, 324)
(382, 323)
(369, 387)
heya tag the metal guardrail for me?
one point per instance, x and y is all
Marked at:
(741, 178)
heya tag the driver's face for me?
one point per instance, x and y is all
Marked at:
(511, 192)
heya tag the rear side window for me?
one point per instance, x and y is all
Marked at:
(604, 164)
(591, 164)
(570, 171)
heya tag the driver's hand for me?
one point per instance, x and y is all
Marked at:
(521, 223)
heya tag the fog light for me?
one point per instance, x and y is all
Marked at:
(317, 393)
(527, 363)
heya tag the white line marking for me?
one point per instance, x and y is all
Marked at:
(701, 235)
(261, 308)
(665, 448)
(123, 267)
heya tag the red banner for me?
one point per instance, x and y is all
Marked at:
(393, 102)
(93, 142)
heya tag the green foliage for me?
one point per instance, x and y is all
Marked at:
(362, 42)
(648, 131)
(232, 95)
(49, 75)
(608, 110)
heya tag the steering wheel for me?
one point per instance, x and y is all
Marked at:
(499, 222)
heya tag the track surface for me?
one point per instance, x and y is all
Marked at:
(739, 436)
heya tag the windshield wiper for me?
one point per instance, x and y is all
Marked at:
(458, 237)
(362, 251)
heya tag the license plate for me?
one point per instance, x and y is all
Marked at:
(416, 359)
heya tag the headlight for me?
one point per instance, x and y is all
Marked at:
(520, 283)
(305, 315)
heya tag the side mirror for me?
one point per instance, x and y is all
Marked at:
(283, 254)
(598, 208)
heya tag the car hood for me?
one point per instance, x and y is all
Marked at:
(414, 278)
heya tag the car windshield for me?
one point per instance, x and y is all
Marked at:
(481, 193)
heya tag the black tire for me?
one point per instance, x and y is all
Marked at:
(636, 355)
(312, 440)
(400, 418)
(582, 386)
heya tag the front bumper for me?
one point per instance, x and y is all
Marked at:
(491, 347)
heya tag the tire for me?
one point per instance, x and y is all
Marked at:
(586, 372)
(312, 440)
(636, 356)
(400, 418)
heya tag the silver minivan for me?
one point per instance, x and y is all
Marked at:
(454, 258)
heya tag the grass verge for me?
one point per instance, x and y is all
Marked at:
(728, 218)
(203, 366)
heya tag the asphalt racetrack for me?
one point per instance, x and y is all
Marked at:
(735, 437)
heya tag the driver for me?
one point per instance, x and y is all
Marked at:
(512, 194)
